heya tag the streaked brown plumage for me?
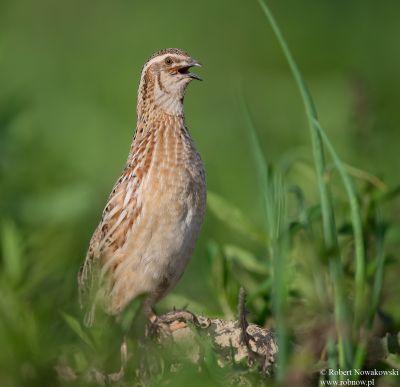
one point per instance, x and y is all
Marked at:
(153, 215)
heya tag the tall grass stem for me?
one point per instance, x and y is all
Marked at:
(328, 218)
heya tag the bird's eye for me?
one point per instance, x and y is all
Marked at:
(168, 60)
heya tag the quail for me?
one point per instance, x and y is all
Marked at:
(153, 215)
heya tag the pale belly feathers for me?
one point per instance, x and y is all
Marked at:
(160, 244)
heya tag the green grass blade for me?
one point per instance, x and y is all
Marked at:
(245, 259)
(325, 195)
(380, 263)
(274, 194)
(376, 289)
(328, 219)
(356, 224)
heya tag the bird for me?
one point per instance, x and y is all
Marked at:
(152, 219)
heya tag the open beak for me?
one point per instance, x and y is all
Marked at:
(185, 70)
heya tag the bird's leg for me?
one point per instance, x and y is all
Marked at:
(156, 327)
(171, 321)
(153, 318)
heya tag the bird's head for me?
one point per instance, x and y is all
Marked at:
(165, 77)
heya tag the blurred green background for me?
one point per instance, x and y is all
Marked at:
(69, 72)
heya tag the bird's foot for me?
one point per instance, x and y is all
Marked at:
(157, 328)
(180, 318)
(172, 321)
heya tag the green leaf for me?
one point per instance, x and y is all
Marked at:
(245, 258)
(233, 217)
(76, 326)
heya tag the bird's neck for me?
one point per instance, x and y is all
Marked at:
(152, 123)
(155, 113)
(155, 100)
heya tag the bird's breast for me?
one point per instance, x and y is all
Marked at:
(173, 196)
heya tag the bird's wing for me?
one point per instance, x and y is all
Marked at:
(119, 215)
